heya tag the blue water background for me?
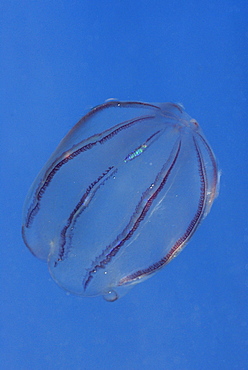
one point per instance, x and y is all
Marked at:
(59, 59)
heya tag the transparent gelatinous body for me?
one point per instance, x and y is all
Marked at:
(120, 197)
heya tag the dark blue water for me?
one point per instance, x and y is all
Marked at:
(59, 59)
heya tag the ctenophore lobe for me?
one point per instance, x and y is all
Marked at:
(120, 197)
